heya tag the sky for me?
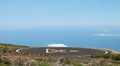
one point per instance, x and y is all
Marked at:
(80, 23)
(32, 13)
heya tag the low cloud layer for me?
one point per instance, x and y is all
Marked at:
(109, 35)
(37, 24)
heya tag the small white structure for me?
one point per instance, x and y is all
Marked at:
(47, 50)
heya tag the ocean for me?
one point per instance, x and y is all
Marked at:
(79, 36)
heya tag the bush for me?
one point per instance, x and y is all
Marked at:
(43, 64)
(3, 50)
(76, 63)
(108, 56)
(30, 63)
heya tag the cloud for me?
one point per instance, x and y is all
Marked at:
(54, 23)
(57, 45)
(109, 35)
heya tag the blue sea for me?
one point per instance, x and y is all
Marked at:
(79, 36)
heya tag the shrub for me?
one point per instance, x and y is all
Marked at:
(108, 56)
(76, 63)
(30, 63)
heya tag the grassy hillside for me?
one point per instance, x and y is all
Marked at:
(9, 47)
(9, 59)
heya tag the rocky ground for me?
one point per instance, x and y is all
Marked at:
(30, 60)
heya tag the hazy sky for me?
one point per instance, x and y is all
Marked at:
(31, 13)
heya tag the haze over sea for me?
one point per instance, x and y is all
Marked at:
(96, 37)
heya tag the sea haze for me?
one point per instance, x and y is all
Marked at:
(93, 37)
